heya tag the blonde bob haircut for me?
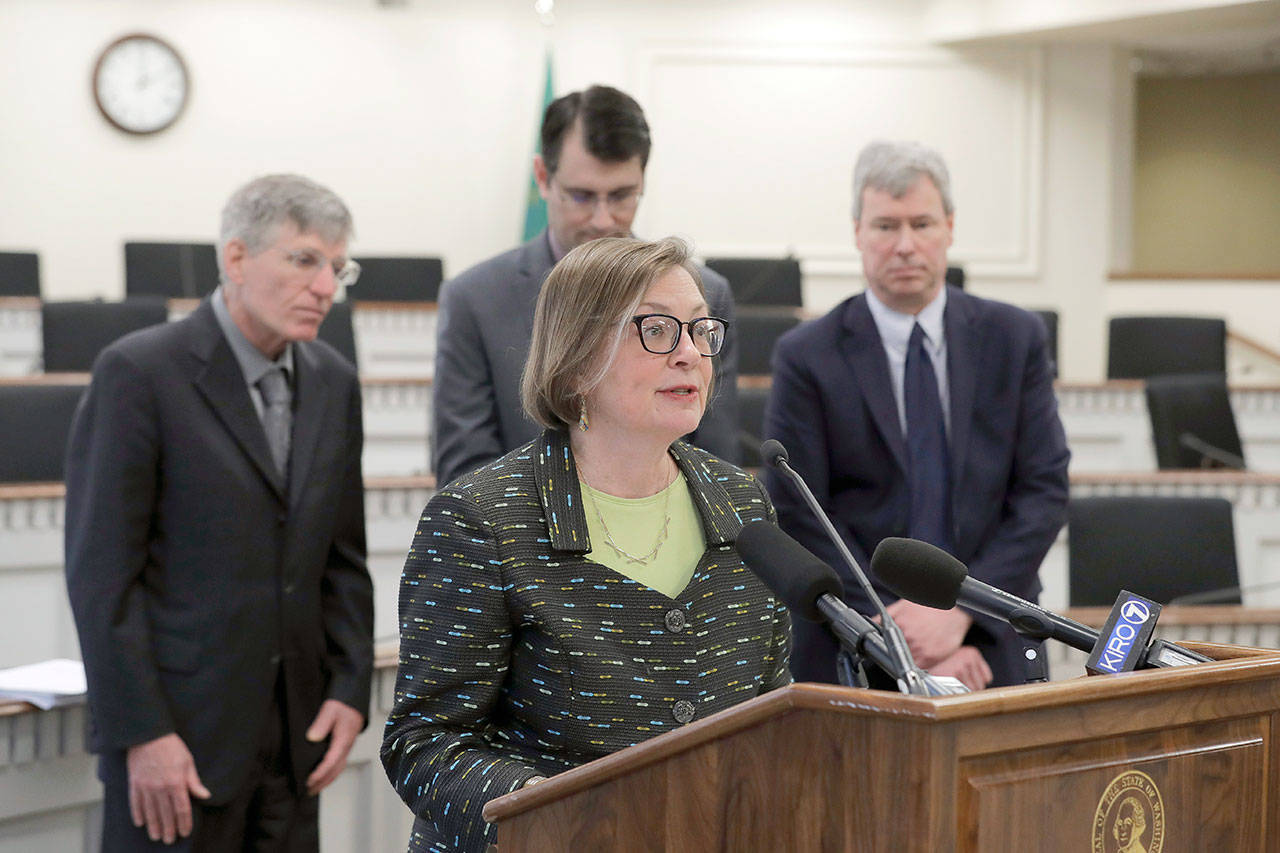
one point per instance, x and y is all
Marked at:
(583, 316)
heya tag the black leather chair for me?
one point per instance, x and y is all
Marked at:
(398, 280)
(1141, 347)
(19, 274)
(75, 332)
(1050, 320)
(339, 332)
(761, 281)
(171, 270)
(1162, 548)
(35, 421)
(1192, 425)
(756, 331)
(751, 402)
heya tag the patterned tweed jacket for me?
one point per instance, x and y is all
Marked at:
(520, 657)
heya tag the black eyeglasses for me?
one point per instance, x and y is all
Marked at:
(660, 333)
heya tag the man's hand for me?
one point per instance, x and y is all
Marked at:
(968, 665)
(341, 723)
(932, 634)
(162, 778)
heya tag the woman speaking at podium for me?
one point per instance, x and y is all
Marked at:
(582, 593)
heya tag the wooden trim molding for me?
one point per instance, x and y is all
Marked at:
(1155, 277)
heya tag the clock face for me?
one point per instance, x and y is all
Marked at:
(140, 84)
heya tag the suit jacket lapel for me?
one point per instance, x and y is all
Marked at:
(535, 262)
(221, 383)
(720, 521)
(556, 475)
(861, 347)
(962, 369)
(311, 397)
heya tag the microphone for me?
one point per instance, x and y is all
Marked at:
(773, 453)
(919, 572)
(1210, 456)
(811, 589)
(927, 575)
(775, 456)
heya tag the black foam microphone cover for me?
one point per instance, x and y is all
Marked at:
(788, 568)
(772, 452)
(919, 572)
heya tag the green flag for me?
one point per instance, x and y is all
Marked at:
(535, 214)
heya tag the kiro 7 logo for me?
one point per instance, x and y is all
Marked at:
(1135, 612)
(1133, 615)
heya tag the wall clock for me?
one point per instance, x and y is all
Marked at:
(140, 83)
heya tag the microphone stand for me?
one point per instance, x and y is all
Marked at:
(1210, 456)
(912, 680)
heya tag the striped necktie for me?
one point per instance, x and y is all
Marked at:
(277, 416)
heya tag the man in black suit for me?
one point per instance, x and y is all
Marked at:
(915, 409)
(595, 145)
(215, 545)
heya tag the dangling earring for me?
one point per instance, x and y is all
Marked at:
(583, 423)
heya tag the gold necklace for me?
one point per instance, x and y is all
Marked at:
(662, 534)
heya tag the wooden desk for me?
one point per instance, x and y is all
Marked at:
(50, 793)
(35, 622)
(1108, 427)
(397, 419)
(35, 617)
(19, 335)
(1255, 499)
(392, 338)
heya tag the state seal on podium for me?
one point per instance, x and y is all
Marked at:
(1130, 816)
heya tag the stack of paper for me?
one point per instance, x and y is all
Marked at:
(45, 684)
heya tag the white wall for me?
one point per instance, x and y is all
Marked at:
(423, 117)
(951, 20)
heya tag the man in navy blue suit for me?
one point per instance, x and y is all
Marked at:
(915, 409)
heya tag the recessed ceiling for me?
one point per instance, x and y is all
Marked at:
(1221, 39)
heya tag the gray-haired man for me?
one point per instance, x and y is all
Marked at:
(915, 409)
(215, 545)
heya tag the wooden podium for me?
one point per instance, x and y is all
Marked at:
(1162, 760)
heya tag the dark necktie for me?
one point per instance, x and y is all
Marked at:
(926, 447)
(277, 416)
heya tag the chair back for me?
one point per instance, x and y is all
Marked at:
(398, 280)
(75, 332)
(751, 403)
(1141, 347)
(338, 330)
(1192, 425)
(1159, 547)
(19, 274)
(35, 421)
(1050, 320)
(171, 270)
(761, 281)
(756, 332)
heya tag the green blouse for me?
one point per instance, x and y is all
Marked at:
(635, 525)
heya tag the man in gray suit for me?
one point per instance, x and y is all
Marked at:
(595, 144)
